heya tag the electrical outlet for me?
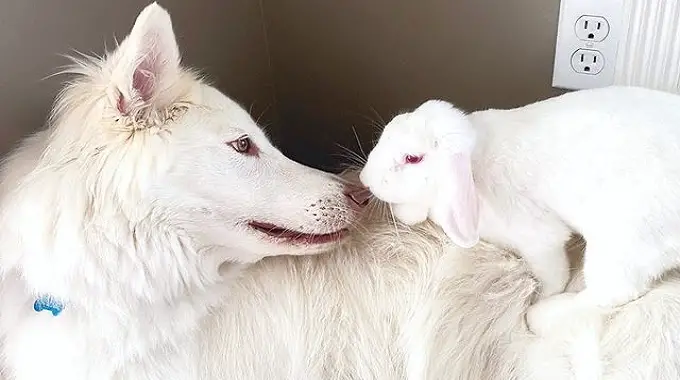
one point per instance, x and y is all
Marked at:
(587, 30)
(591, 28)
(587, 62)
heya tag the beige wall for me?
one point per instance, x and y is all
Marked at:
(223, 37)
(336, 61)
(335, 64)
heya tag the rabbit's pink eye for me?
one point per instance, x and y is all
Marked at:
(412, 159)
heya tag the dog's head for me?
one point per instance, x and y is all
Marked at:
(143, 160)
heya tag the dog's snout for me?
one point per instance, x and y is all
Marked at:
(358, 195)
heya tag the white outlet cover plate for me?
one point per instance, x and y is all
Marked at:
(568, 42)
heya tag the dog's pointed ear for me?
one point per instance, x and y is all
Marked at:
(145, 64)
(461, 214)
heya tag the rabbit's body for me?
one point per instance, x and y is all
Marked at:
(604, 163)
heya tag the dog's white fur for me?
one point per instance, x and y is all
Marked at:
(137, 225)
(400, 303)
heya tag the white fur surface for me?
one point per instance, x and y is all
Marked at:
(136, 217)
(402, 303)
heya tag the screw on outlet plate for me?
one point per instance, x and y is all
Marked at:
(588, 62)
(591, 28)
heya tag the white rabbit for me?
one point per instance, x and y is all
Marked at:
(602, 162)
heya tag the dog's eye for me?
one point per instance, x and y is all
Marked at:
(412, 159)
(243, 145)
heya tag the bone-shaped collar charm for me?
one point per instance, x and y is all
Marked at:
(48, 303)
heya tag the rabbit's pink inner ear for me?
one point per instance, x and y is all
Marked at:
(461, 222)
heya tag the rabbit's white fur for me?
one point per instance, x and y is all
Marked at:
(603, 162)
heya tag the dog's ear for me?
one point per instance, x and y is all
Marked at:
(146, 64)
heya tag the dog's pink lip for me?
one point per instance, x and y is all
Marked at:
(292, 236)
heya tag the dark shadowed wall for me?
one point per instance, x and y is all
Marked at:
(339, 64)
(335, 64)
(225, 38)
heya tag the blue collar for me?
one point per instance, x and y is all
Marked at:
(48, 303)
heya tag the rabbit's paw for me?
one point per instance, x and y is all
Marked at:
(563, 314)
(549, 316)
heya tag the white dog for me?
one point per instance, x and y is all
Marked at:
(132, 244)
(116, 219)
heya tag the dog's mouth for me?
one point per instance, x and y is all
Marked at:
(291, 236)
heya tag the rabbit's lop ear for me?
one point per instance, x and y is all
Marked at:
(460, 216)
